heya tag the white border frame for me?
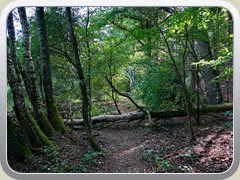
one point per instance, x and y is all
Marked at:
(127, 3)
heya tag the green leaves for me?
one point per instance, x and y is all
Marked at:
(163, 165)
(90, 157)
(222, 64)
(158, 87)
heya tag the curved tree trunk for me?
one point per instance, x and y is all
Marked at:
(36, 137)
(30, 78)
(52, 111)
(112, 90)
(85, 98)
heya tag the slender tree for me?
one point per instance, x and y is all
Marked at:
(36, 137)
(83, 84)
(52, 111)
(188, 103)
(89, 61)
(30, 78)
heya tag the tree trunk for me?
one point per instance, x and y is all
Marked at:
(111, 118)
(30, 80)
(89, 63)
(17, 145)
(112, 90)
(52, 111)
(85, 98)
(203, 50)
(187, 101)
(157, 115)
(36, 137)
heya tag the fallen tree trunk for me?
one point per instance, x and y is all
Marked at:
(110, 118)
(141, 115)
(217, 108)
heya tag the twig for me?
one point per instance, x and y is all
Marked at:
(136, 105)
(125, 95)
(187, 155)
(166, 129)
(71, 138)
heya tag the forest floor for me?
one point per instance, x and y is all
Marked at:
(135, 148)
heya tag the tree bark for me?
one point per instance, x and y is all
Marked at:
(85, 98)
(89, 62)
(204, 52)
(112, 90)
(17, 144)
(52, 111)
(30, 80)
(161, 114)
(36, 137)
(111, 118)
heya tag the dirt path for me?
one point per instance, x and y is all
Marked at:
(124, 155)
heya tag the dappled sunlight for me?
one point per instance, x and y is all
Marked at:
(131, 150)
(215, 147)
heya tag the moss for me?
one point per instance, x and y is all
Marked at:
(57, 121)
(40, 135)
(18, 151)
(45, 126)
(17, 147)
(26, 152)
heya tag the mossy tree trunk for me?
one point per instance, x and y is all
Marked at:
(30, 76)
(17, 145)
(83, 85)
(52, 111)
(36, 137)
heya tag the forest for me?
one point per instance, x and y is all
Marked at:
(119, 89)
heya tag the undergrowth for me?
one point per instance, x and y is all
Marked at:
(51, 162)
